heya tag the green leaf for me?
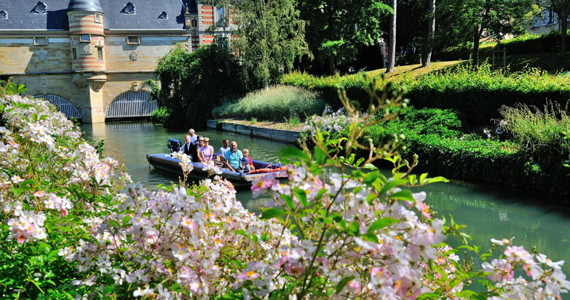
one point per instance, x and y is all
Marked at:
(437, 179)
(354, 228)
(320, 156)
(423, 177)
(272, 213)
(370, 166)
(289, 201)
(381, 223)
(126, 220)
(302, 196)
(428, 296)
(293, 152)
(403, 195)
(371, 238)
(342, 283)
(242, 232)
(392, 184)
(370, 177)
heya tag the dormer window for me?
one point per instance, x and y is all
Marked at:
(3, 15)
(40, 8)
(85, 38)
(163, 16)
(133, 40)
(98, 18)
(129, 9)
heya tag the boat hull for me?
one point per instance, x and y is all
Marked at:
(165, 162)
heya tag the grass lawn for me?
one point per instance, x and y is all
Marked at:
(549, 62)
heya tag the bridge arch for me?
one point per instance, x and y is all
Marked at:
(131, 105)
(63, 105)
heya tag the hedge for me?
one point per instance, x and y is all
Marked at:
(477, 94)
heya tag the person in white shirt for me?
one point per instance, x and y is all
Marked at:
(193, 135)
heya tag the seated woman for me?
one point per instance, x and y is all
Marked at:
(246, 155)
(206, 152)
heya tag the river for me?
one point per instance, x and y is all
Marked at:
(488, 211)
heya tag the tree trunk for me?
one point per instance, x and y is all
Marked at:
(332, 65)
(426, 60)
(476, 37)
(563, 29)
(392, 44)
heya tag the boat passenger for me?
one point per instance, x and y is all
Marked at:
(192, 134)
(225, 147)
(250, 162)
(233, 157)
(206, 152)
(187, 147)
(245, 167)
(220, 159)
(196, 145)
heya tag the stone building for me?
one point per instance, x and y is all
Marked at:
(90, 57)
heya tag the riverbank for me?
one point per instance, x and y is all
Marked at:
(477, 160)
(271, 130)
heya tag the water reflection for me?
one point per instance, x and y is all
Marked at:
(489, 212)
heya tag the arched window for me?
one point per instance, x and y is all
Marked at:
(3, 15)
(163, 16)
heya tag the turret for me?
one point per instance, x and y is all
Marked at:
(88, 54)
(87, 35)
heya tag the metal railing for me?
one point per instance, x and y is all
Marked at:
(131, 104)
(63, 105)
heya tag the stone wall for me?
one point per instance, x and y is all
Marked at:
(19, 55)
(123, 57)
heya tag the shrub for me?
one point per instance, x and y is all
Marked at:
(160, 115)
(479, 93)
(277, 103)
(190, 83)
(538, 131)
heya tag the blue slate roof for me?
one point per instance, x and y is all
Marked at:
(148, 14)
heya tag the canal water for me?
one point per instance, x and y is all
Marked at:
(488, 211)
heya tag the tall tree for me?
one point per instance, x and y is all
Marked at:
(269, 36)
(472, 20)
(428, 47)
(562, 10)
(338, 27)
(392, 42)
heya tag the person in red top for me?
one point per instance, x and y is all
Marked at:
(246, 155)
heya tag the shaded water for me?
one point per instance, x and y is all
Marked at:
(489, 212)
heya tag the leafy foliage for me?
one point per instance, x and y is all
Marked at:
(338, 27)
(190, 83)
(270, 35)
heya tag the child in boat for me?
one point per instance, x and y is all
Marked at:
(246, 155)
(245, 167)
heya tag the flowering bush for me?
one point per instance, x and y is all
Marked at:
(75, 227)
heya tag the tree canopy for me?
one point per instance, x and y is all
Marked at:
(338, 27)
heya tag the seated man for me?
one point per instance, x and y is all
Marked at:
(233, 157)
(225, 147)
